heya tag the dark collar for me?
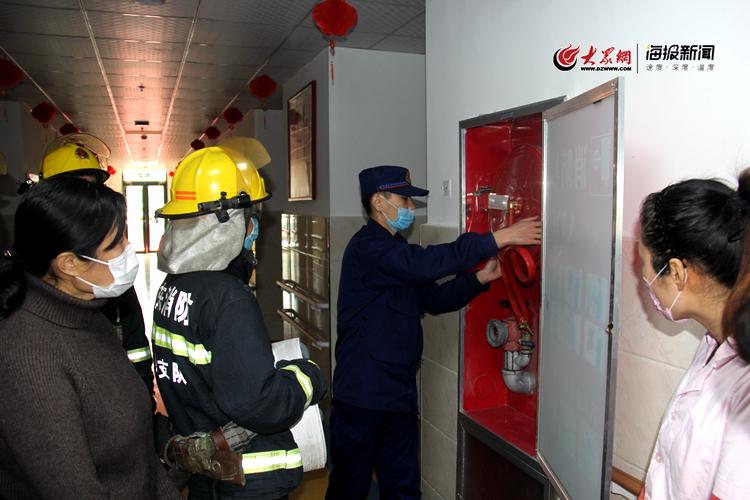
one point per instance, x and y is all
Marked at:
(56, 306)
(382, 232)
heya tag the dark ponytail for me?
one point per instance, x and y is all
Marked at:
(699, 221)
(60, 214)
(736, 320)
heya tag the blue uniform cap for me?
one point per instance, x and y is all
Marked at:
(388, 178)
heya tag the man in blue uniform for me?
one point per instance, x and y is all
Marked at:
(387, 285)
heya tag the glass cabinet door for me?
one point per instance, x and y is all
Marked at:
(134, 195)
(155, 226)
(581, 281)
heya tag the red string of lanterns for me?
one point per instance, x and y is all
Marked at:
(335, 18)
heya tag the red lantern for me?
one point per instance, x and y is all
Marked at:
(261, 87)
(43, 112)
(10, 74)
(232, 115)
(212, 132)
(335, 18)
(69, 128)
(197, 144)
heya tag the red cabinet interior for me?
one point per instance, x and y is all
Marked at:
(501, 158)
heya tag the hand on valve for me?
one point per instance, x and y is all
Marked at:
(491, 271)
(523, 232)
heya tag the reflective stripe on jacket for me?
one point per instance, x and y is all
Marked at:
(213, 363)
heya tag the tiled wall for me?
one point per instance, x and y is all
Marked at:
(439, 390)
(653, 355)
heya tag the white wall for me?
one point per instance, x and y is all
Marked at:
(318, 70)
(272, 135)
(372, 113)
(22, 142)
(485, 56)
(377, 112)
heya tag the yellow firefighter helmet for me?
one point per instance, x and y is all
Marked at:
(75, 154)
(218, 178)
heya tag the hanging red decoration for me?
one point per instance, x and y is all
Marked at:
(43, 112)
(197, 144)
(232, 116)
(10, 74)
(261, 87)
(335, 18)
(212, 132)
(69, 128)
(111, 170)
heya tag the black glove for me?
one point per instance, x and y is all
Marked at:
(311, 370)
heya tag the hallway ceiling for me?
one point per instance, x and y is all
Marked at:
(193, 59)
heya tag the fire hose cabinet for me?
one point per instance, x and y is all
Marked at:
(538, 352)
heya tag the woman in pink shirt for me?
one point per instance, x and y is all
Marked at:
(691, 244)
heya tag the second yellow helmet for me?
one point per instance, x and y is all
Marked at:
(206, 176)
(75, 154)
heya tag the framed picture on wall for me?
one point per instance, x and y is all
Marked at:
(301, 135)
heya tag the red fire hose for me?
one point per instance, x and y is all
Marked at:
(519, 267)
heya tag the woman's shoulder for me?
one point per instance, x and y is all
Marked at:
(31, 344)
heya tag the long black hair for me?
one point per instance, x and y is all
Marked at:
(702, 221)
(60, 214)
(736, 320)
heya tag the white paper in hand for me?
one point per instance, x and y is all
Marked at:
(308, 432)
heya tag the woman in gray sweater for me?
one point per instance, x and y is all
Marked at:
(75, 419)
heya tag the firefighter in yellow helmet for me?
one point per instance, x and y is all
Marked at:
(76, 154)
(82, 155)
(212, 353)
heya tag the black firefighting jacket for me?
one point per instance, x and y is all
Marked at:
(214, 364)
(125, 313)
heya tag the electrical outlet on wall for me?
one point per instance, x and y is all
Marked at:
(447, 189)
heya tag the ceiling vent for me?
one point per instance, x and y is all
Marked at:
(141, 123)
(148, 2)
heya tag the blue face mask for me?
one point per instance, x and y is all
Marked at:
(253, 235)
(404, 220)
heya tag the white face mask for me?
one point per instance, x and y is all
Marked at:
(124, 268)
(667, 313)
